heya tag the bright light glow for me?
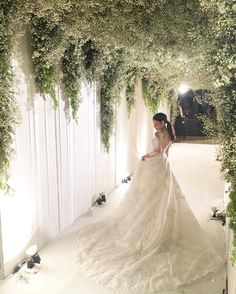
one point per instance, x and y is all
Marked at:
(31, 250)
(142, 143)
(126, 174)
(18, 212)
(18, 217)
(122, 159)
(183, 89)
(143, 134)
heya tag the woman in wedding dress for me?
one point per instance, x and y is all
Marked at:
(152, 242)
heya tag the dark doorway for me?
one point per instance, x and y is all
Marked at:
(190, 106)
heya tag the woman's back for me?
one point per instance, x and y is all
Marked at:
(162, 140)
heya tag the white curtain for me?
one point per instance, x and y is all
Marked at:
(58, 166)
(133, 135)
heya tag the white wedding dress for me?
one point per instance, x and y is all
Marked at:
(152, 242)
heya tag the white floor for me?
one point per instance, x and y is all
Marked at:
(198, 174)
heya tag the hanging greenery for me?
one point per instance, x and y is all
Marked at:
(156, 91)
(231, 206)
(46, 38)
(210, 127)
(232, 221)
(130, 98)
(111, 82)
(8, 107)
(91, 61)
(71, 69)
(131, 77)
(145, 32)
(151, 92)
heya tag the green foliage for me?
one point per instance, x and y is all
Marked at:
(91, 61)
(131, 78)
(222, 67)
(111, 81)
(231, 213)
(144, 31)
(156, 91)
(233, 258)
(210, 128)
(231, 210)
(8, 108)
(222, 64)
(151, 92)
(130, 99)
(71, 69)
(45, 39)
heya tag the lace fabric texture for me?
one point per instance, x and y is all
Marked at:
(152, 242)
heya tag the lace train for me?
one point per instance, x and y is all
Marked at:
(152, 242)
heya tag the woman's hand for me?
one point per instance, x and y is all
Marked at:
(145, 157)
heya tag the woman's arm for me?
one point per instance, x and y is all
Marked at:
(164, 145)
(151, 154)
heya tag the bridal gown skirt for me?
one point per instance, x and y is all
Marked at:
(152, 242)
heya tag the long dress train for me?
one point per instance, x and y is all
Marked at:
(152, 242)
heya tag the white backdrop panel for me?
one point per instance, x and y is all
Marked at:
(133, 135)
(58, 167)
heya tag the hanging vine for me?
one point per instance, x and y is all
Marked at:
(131, 80)
(91, 61)
(71, 69)
(99, 29)
(151, 92)
(109, 95)
(46, 38)
(8, 106)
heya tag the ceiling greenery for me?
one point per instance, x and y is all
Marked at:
(112, 42)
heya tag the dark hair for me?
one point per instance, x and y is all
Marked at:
(162, 117)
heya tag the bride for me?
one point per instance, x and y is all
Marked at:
(152, 242)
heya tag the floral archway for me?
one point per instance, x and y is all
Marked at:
(115, 43)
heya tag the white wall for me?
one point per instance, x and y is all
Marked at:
(57, 168)
(133, 135)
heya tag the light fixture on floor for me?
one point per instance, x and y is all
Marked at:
(101, 198)
(221, 216)
(33, 256)
(126, 180)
